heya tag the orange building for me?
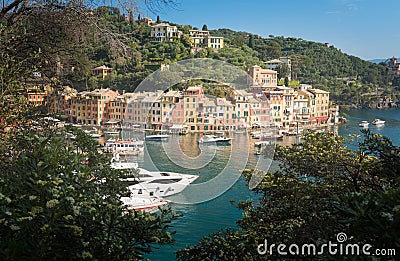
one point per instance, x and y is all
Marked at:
(91, 107)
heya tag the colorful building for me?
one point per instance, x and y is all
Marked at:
(91, 107)
(102, 71)
(262, 77)
(192, 98)
(202, 38)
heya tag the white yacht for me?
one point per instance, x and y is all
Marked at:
(363, 124)
(157, 183)
(152, 183)
(378, 122)
(214, 139)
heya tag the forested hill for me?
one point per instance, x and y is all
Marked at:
(347, 77)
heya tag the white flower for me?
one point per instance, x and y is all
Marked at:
(14, 227)
(52, 203)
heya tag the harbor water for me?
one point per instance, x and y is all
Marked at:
(199, 220)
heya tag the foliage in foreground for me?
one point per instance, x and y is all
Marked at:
(55, 208)
(321, 189)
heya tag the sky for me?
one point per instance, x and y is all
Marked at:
(368, 29)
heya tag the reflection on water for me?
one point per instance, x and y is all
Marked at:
(202, 219)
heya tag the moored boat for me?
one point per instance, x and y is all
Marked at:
(143, 182)
(378, 122)
(124, 145)
(363, 124)
(214, 139)
(146, 204)
(157, 137)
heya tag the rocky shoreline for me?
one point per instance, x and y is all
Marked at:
(373, 105)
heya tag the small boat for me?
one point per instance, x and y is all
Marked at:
(259, 144)
(271, 136)
(183, 132)
(146, 204)
(294, 129)
(378, 122)
(214, 139)
(92, 134)
(111, 132)
(124, 145)
(363, 124)
(256, 134)
(69, 135)
(157, 137)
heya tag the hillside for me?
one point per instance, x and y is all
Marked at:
(321, 64)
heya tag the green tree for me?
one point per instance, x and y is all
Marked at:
(238, 41)
(131, 18)
(283, 71)
(286, 81)
(322, 188)
(55, 208)
(251, 41)
(158, 19)
(52, 206)
(204, 28)
(269, 50)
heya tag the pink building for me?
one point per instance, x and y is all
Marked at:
(262, 77)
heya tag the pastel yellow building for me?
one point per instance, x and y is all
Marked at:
(202, 38)
(116, 109)
(321, 105)
(192, 97)
(102, 71)
(318, 103)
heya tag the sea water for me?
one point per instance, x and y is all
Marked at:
(199, 220)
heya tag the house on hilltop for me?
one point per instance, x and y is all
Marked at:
(276, 63)
(102, 71)
(164, 32)
(202, 38)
